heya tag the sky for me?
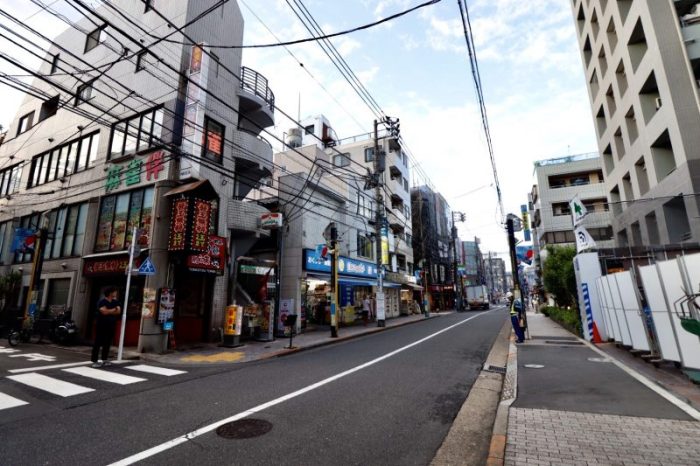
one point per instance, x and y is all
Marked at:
(417, 69)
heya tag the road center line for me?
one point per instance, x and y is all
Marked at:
(203, 430)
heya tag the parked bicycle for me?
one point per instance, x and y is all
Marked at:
(22, 332)
(60, 329)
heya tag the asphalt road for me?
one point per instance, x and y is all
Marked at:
(387, 398)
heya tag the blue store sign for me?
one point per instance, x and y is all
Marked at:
(346, 266)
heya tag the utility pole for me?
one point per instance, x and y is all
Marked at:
(458, 289)
(514, 261)
(491, 273)
(334, 280)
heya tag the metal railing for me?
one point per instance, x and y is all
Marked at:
(255, 83)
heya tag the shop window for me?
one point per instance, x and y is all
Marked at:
(66, 159)
(25, 123)
(136, 134)
(10, 179)
(369, 154)
(213, 140)
(118, 216)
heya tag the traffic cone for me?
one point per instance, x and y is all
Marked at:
(596, 334)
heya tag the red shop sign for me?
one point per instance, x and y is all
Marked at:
(213, 260)
(200, 226)
(108, 266)
(178, 224)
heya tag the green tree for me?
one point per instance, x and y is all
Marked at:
(558, 274)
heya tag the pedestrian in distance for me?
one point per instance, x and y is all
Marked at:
(516, 310)
(366, 306)
(108, 311)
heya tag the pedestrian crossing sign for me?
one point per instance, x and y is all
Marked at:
(147, 268)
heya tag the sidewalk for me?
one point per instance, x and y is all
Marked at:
(208, 354)
(577, 406)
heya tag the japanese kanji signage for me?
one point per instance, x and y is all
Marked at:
(200, 225)
(153, 164)
(178, 224)
(213, 260)
(109, 266)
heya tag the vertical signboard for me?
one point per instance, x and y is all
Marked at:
(526, 222)
(178, 225)
(193, 128)
(200, 226)
(385, 243)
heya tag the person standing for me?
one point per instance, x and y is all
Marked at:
(366, 306)
(108, 311)
(515, 310)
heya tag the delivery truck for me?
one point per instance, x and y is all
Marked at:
(478, 297)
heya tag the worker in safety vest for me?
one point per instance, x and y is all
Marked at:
(516, 310)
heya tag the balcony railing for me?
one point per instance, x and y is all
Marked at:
(255, 83)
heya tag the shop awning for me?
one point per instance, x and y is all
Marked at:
(415, 287)
(202, 186)
(392, 285)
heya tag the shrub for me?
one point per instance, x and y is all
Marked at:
(567, 318)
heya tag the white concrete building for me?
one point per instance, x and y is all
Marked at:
(642, 66)
(558, 182)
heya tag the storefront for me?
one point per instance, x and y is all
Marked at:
(256, 289)
(356, 279)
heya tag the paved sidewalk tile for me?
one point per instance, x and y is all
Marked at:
(546, 437)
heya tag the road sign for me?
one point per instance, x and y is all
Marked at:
(147, 268)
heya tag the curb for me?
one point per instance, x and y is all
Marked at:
(497, 449)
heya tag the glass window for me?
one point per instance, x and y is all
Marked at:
(54, 63)
(341, 160)
(59, 232)
(25, 123)
(104, 226)
(69, 232)
(146, 131)
(137, 133)
(94, 143)
(369, 154)
(157, 127)
(118, 139)
(118, 215)
(93, 39)
(84, 93)
(84, 154)
(79, 239)
(119, 226)
(63, 160)
(3, 232)
(134, 214)
(50, 237)
(132, 131)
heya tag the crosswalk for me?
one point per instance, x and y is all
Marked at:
(55, 385)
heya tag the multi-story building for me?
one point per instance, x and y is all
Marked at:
(124, 134)
(331, 179)
(558, 182)
(432, 244)
(472, 263)
(495, 275)
(642, 66)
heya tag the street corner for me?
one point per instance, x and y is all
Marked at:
(223, 356)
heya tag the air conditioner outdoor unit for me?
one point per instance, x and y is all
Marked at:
(658, 103)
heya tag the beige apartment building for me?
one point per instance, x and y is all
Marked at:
(642, 66)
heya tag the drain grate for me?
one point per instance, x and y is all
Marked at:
(245, 428)
(497, 369)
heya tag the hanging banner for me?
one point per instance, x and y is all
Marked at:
(201, 220)
(584, 240)
(526, 222)
(24, 240)
(578, 210)
(178, 225)
(385, 243)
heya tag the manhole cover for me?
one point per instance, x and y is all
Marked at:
(599, 359)
(534, 366)
(245, 428)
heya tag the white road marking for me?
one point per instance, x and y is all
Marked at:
(7, 401)
(155, 370)
(678, 403)
(53, 366)
(105, 376)
(49, 384)
(203, 430)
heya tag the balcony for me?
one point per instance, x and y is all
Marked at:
(691, 37)
(256, 102)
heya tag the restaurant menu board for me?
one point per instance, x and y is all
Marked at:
(148, 308)
(166, 305)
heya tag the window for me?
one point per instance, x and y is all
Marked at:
(93, 39)
(10, 179)
(66, 159)
(119, 214)
(405, 184)
(213, 140)
(369, 154)
(136, 134)
(364, 246)
(3, 232)
(49, 107)
(54, 63)
(66, 233)
(364, 206)
(309, 129)
(25, 123)
(84, 93)
(341, 160)
(141, 58)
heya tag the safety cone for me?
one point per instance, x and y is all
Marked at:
(596, 334)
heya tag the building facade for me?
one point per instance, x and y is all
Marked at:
(495, 275)
(642, 66)
(472, 263)
(161, 140)
(558, 182)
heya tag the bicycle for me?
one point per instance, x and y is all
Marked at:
(23, 334)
